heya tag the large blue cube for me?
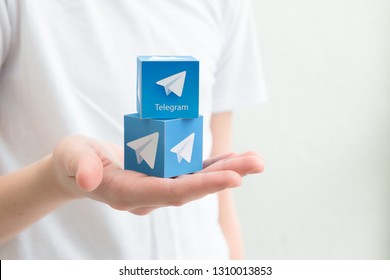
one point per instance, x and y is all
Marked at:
(163, 147)
(167, 87)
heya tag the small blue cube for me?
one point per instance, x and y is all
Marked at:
(167, 87)
(163, 147)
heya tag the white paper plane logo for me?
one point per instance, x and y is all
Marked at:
(145, 148)
(174, 83)
(184, 148)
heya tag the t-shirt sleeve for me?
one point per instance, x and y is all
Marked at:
(239, 76)
(5, 31)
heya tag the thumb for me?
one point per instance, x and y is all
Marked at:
(89, 171)
(77, 158)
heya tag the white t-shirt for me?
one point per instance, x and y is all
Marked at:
(69, 67)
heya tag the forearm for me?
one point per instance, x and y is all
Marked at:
(221, 128)
(230, 224)
(26, 196)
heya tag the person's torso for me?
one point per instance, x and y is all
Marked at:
(71, 69)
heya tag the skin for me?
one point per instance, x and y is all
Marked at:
(82, 167)
(221, 127)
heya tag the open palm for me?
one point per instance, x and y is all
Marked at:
(84, 167)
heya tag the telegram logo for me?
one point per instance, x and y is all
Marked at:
(145, 148)
(174, 83)
(184, 148)
(167, 87)
(163, 147)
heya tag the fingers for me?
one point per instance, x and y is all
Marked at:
(195, 186)
(212, 160)
(176, 192)
(243, 164)
(143, 210)
(139, 191)
(221, 172)
(140, 194)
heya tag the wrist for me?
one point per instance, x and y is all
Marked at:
(27, 195)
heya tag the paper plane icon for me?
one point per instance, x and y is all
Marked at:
(145, 148)
(184, 148)
(174, 83)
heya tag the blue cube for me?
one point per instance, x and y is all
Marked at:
(167, 87)
(163, 147)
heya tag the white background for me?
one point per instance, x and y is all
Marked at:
(324, 132)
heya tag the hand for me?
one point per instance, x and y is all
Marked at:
(84, 167)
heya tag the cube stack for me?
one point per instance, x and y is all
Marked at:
(164, 138)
